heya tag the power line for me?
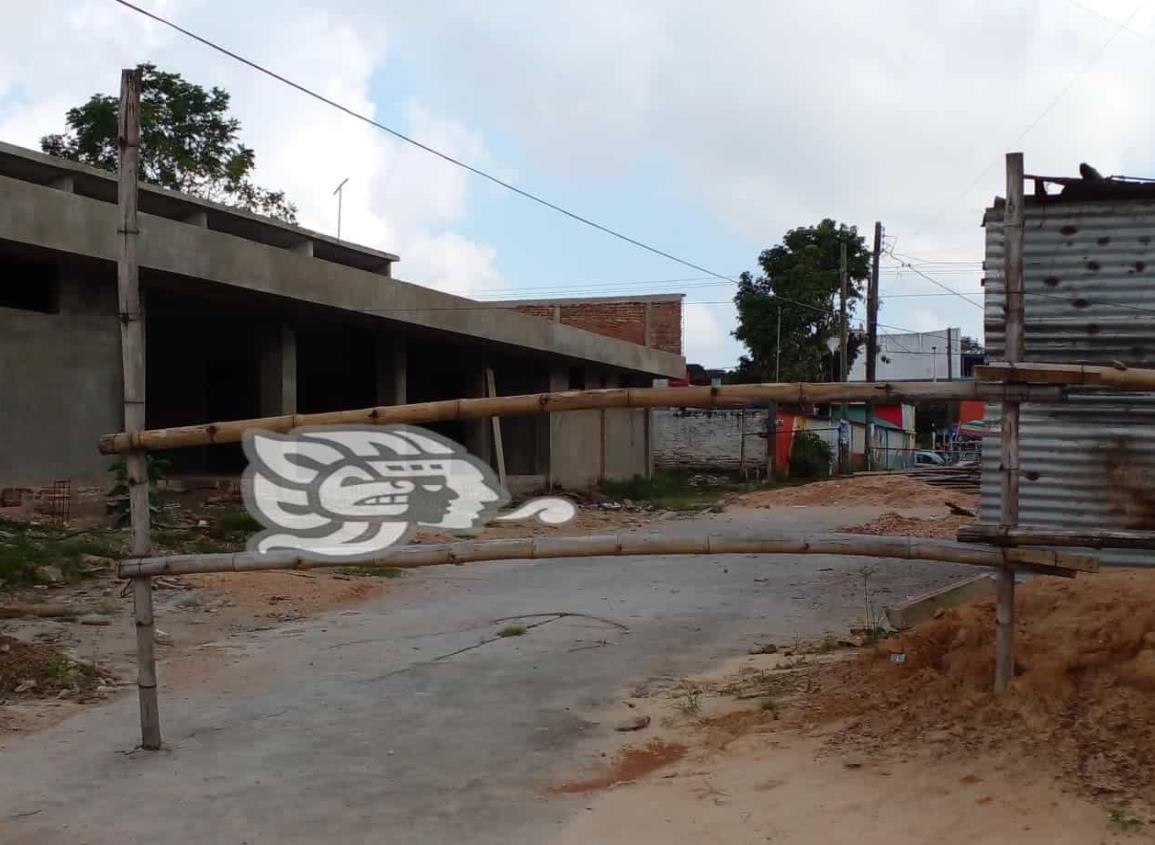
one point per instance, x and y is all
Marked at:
(1050, 106)
(407, 139)
(457, 162)
(947, 288)
(1109, 19)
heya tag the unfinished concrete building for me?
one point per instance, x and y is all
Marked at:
(247, 316)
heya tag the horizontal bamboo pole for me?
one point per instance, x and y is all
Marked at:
(1119, 378)
(731, 395)
(539, 548)
(1085, 538)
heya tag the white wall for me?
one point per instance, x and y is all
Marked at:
(691, 438)
(913, 357)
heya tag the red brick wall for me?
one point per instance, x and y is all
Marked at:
(621, 320)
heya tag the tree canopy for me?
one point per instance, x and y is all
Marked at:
(800, 279)
(187, 143)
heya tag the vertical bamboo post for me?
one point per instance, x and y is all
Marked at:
(1009, 439)
(845, 456)
(498, 442)
(132, 366)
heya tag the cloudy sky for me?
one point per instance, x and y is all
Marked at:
(706, 130)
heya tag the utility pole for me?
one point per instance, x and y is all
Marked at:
(778, 349)
(872, 338)
(846, 455)
(339, 194)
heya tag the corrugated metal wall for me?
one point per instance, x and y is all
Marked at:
(1089, 281)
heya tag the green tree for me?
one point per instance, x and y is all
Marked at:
(187, 143)
(800, 277)
(970, 345)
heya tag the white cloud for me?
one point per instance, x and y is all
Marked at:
(398, 198)
(706, 331)
(763, 116)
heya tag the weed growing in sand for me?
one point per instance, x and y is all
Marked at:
(829, 643)
(689, 699)
(1123, 821)
(874, 615)
(512, 631)
(58, 667)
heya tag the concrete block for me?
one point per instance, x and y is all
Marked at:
(920, 608)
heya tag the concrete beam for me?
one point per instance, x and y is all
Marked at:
(40, 216)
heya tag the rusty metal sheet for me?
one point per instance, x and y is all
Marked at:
(1089, 283)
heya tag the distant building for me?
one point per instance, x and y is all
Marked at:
(921, 356)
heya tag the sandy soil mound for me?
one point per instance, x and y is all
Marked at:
(1084, 695)
(893, 524)
(892, 490)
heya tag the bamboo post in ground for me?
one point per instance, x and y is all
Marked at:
(1009, 433)
(132, 364)
(498, 442)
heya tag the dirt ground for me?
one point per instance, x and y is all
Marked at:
(814, 745)
(896, 491)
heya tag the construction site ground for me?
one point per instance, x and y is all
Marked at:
(484, 704)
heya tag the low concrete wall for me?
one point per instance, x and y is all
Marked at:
(61, 387)
(689, 438)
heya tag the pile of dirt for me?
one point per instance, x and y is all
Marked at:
(1084, 692)
(893, 524)
(891, 490)
(37, 670)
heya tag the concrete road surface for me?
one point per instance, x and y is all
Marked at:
(406, 720)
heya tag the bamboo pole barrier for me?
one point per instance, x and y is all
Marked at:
(1068, 375)
(1009, 427)
(1002, 535)
(731, 395)
(1044, 561)
(132, 363)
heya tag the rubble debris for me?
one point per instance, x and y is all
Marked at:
(893, 524)
(634, 723)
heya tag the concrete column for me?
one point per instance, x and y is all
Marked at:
(198, 218)
(304, 247)
(392, 366)
(278, 371)
(66, 182)
(558, 381)
(479, 433)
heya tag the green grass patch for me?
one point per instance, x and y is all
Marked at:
(512, 631)
(27, 550)
(237, 521)
(679, 491)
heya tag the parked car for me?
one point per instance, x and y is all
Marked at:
(924, 457)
